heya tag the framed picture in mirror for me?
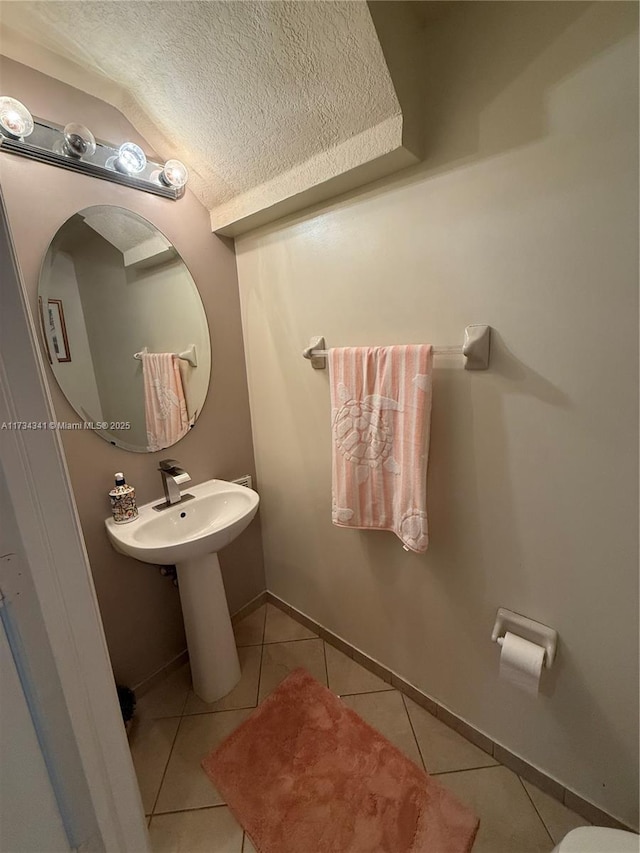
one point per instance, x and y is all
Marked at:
(43, 331)
(58, 330)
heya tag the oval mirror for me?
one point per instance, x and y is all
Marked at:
(116, 302)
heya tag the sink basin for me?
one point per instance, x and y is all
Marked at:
(189, 535)
(218, 512)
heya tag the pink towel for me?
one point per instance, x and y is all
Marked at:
(381, 409)
(164, 404)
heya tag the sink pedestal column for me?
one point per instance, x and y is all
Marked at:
(215, 667)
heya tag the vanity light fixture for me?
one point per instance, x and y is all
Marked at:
(131, 159)
(174, 174)
(15, 119)
(78, 141)
(74, 147)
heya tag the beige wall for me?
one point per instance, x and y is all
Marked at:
(524, 216)
(140, 609)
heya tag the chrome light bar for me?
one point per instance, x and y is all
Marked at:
(46, 144)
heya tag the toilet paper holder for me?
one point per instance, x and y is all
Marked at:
(534, 632)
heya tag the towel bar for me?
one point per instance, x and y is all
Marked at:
(188, 355)
(475, 349)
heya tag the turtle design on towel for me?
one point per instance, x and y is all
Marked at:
(414, 529)
(363, 434)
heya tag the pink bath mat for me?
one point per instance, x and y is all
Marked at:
(306, 774)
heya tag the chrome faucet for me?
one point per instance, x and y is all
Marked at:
(170, 470)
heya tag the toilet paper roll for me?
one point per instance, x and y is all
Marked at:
(521, 662)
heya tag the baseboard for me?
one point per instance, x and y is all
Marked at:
(514, 762)
(249, 607)
(159, 675)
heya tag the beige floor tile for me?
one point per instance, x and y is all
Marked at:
(443, 749)
(167, 698)
(248, 846)
(558, 819)
(250, 630)
(347, 676)
(508, 821)
(151, 742)
(186, 785)
(386, 713)
(243, 695)
(199, 831)
(279, 628)
(279, 659)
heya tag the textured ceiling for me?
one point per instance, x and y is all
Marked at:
(123, 232)
(248, 94)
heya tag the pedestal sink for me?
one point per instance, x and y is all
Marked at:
(188, 535)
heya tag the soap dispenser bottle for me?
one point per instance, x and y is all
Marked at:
(123, 501)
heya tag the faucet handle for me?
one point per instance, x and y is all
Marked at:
(168, 464)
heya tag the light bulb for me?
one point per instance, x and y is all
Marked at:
(131, 159)
(78, 141)
(174, 174)
(15, 118)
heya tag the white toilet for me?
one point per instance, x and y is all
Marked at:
(598, 839)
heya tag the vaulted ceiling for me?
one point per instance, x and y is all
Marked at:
(272, 105)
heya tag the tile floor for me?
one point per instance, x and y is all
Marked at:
(174, 730)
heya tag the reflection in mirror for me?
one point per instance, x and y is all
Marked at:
(112, 286)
